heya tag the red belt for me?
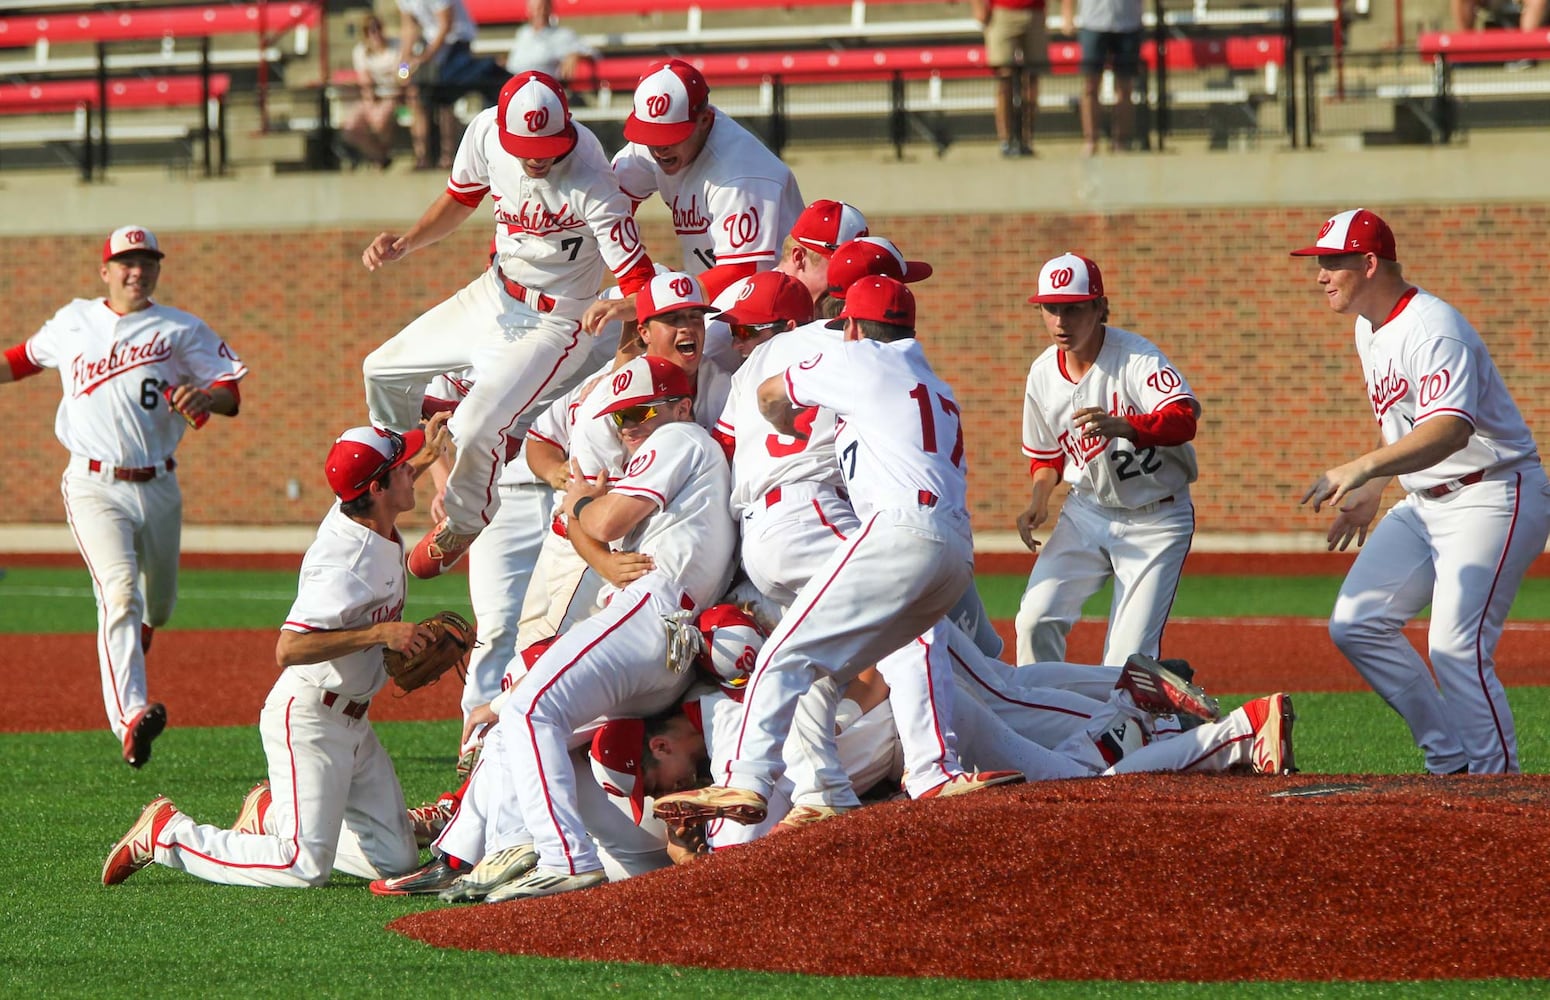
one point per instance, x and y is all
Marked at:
(122, 474)
(537, 300)
(1453, 486)
(772, 497)
(354, 709)
(926, 498)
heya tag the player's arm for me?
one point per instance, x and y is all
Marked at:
(18, 365)
(1046, 476)
(441, 220)
(296, 648)
(776, 405)
(619, 568)
(547, 460)
(1429, 443)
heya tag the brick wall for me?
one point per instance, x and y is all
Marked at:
(1213, 287)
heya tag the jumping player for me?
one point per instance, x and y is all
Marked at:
(136, 376)
(333, 801)
(560, 217)
(1106, 411)
(1475, 515)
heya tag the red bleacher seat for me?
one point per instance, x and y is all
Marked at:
(155, 22)
(1496, 45)
(56, 95)
(515, 11)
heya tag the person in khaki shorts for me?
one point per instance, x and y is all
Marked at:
(1017, 48)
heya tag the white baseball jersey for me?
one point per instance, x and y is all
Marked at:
(1130, 377)
(683, 471)
(427, 12)
(351, 577)
(112, 368)
(595, 442)
(733, 205)
(904, 448)
(552, 234)
(1427, 361)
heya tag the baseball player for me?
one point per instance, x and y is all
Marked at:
(671, 504)
(560, 218)
(901, 455)
(1475, 515)
(732, 200)
(333, 799)
(1106, 411)
(136, 376)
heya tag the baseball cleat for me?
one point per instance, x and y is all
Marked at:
(255, 806)
(713, 802)
(965, 783)
(428, 880)
(801, 816)
(492, 872)
(1271, 718)
(438, 551)
(1159, 691)
(545, 882)
(432, 818)
(136, 849)
(144, 726)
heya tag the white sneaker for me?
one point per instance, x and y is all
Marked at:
(492, 871)
(545, 882)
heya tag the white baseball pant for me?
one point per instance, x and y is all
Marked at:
(1142, 551)
(613, 664)
(1464, 554)
(337, 804)
(500, 568)
(129, 535)
(521, 359)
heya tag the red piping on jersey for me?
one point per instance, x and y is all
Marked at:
(1058, 464)
(936, 719)
(541, 439)
(642, 493)
(638, 276)
(1172, 425)
(470, 198)
(1480, 654)
(527, 721)
(21, 365)
(1399, 307)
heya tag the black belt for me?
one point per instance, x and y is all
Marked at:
(537, 300)
(354, 709)
(1454, 485)
(122, 474)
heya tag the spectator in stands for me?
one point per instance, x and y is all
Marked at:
(1017, 49)
(543, 44)
(1531, 14)
(434, 51)
(1110, 36)
(370, 126)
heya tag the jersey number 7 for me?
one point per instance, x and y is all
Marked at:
(928, 439)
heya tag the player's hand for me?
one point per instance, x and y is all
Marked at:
(439, 506)
(1096, 422)
(479, 715)
(577, 487)
(1356, 516)
(621, 568)
(1028, 522)
(1335, 484)
(192, 401)
(604, 311)
(686, 843)
(405, 637)
(385, 249)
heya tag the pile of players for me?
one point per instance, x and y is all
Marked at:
(718, 535)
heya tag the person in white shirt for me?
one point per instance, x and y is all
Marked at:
(544, 44)
(435, 54)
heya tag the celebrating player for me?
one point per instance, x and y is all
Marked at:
(560, 216)
(1475, 515)
(332, 801)
(1106, 411)
(136, 376)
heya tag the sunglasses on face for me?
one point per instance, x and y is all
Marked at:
(748, 331)
(398, 450)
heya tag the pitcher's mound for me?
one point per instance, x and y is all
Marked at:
(1309, 877)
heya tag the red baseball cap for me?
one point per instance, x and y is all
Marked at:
(617, 748)
(825, 224)
(1356, 231)
(770, 297)
(362, 454)
(1069, 278)
(130, 239)
(533, 117)
(670, 291)
(871, 255)
(880, 298)
(645, 380)
(668, 97)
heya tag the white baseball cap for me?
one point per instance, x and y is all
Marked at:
(1069, 278)
(826, 224)
(667, 99)
(533, 117)
(1356, 231)
(674, 291)
(363, 454)
(131, 239)
(732, 643)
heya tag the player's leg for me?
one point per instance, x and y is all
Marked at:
(1046, 715)
(104, 518)
(442, 339)
(1390, 582)
(157, 545)
(988, 743)
(920, 693)
(500, 567)
(564, 592)
(1484, 537)
(376, 839)
(1148, 558)
(1070, 568)
(818, 776)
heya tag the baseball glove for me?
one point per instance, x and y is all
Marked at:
(453, 638)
